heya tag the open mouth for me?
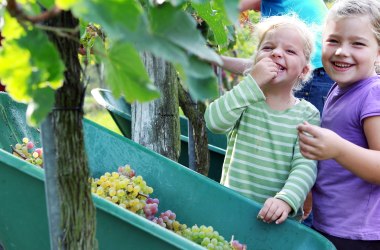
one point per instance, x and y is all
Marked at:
(280, 67)
(341, 65)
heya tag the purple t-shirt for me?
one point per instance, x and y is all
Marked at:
(345, 205)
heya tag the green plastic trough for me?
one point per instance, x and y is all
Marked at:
(120, 112)
(194, 198)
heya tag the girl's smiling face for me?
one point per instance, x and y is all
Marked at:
(350, 49)
(284, 45)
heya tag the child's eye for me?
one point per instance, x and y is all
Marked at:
(266, 48)
(358, 44)
(292, 52)
(332, 41)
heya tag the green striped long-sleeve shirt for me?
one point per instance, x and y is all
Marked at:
(263, 158)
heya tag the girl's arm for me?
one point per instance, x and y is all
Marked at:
(294, 192)
(325, 144)
(223, 113)
(236, 65)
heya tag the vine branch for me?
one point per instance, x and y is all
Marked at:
(60, 31)
(17, 12)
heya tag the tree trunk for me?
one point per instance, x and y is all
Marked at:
(155, 124)
(195, 113)
(65, 151)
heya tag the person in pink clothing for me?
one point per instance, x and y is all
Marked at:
(346, 195)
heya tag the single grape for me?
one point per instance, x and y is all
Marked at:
(30, 145)
(38, 151)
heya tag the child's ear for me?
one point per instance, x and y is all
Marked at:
(305, 71)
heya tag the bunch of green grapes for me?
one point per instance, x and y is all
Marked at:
(127, 192)
(209, 238)
(127, 171)
(168, 220)
(26, 151)
(204, 236)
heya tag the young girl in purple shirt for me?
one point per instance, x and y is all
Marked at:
(346, 196)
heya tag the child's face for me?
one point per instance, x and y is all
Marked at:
(284, 46)
(350, 49)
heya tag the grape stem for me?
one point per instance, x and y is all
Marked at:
(18, 153)
(140, 194)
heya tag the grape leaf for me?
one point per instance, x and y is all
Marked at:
(15, 73)
(180, 28)
(164, 30)
(2, 12)
(30, 7)
(47, 3)
(215, 20)
(230, 9)
(37, 71)
(116, 17)
(65, 4)
(180, 2)
(159, 46)
(40, 106)
(200, 79)
(126, 74)
(203, 88)
(44, 58)
(12, 29)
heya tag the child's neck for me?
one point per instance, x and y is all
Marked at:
(280, 101)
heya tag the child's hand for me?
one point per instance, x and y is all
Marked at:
(264, 71)
(307, 206)
(274, 210)
(318, 143)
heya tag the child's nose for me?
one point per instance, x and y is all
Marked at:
(276, 53)
(341, 51)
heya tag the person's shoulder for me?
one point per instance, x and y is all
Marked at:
(308, 106)
(375, 81)
(308, 109)
(371, 83)
(374, 86)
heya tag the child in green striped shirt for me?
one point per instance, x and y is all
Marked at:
(263, 160)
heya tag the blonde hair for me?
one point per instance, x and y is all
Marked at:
(287, 21)
(352, 8)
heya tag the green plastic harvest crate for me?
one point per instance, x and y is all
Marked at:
(194, 198)
(120, 112)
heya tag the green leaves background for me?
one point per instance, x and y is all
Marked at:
(31, 67)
